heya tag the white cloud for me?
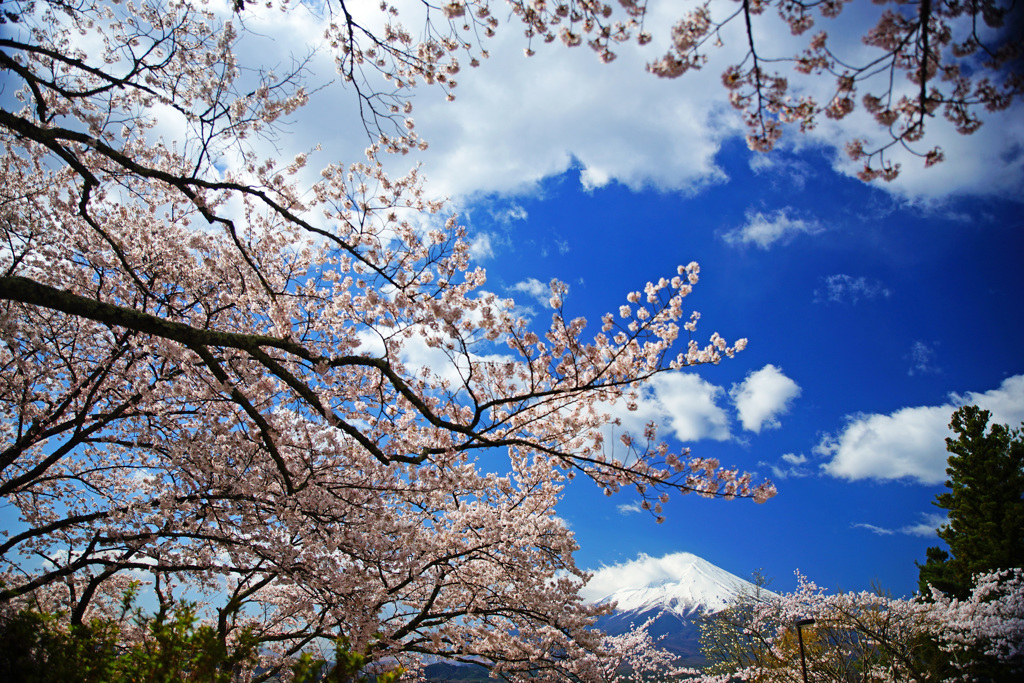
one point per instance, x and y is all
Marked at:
(682, 404)
(790, 468)
(765, 230)
(629, 508)
(452, 367)
(762, 397)
(921, 359)
(643, 571)
(847, 288)
(418, 356)
(480, 247)
(516, 121)
(1005, 403)
(925, 528)
(687, 408)
(763, 163)
(511, 213)
(535, 289)
(907, 443)
(989, 162)
(623, 126)
(910, 443)
(881, 531)
(781, 169)
(630, 127)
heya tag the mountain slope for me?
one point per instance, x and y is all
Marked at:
(681, 583)
(673, 591)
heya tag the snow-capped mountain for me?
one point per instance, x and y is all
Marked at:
(681, 583)
(673, 591)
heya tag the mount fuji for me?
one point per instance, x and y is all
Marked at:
(673, 590)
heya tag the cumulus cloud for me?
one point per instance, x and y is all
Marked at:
(625, 126)
(988, 162)
(534, 288)
(762, 397)
(925, 528)
(643, 571)
(907, 443)
(910, 443)
(480, 247)
(842, 288)
(683, 404)
(629, 127)
(688, 408)
(765, 230)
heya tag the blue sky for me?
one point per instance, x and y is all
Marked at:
(872, 311)
(870, 306)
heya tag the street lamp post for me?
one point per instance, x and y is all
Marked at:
(799, 623)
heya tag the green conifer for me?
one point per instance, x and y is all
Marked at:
(985, 503)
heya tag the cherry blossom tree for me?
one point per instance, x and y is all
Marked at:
(210, 361)
(869, 635)
(209, 375)
(990, 621)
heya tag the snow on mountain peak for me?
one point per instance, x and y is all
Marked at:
(681, 583)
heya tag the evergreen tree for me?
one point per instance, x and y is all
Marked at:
(985, 501)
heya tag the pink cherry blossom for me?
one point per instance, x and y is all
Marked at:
(209, 361)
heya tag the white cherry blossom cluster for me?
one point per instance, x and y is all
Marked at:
(885, 638)
(212, 374)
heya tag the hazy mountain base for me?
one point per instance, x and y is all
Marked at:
(450, 671)
(677, 634)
